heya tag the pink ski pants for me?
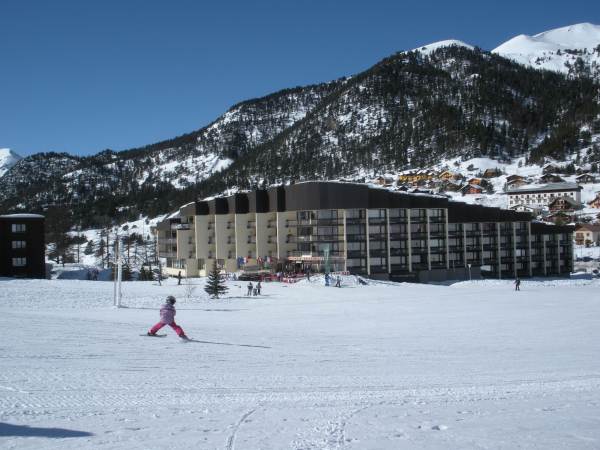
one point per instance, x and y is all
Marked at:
(173, 325)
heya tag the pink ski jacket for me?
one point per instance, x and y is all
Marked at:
(167, 313)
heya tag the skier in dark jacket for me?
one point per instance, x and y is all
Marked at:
(517, 284)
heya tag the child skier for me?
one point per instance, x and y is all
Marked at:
(167, 317)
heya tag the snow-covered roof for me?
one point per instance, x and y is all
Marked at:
(21, 216)
(547, 188)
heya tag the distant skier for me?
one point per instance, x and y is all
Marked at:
(167, 317)
(250, 288)
(179, 278)
(517, 284)
(338, 282)
(327, 279)
(258, 287)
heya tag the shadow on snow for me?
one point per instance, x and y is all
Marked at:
(7, 429)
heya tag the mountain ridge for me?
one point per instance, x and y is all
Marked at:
(411, 109)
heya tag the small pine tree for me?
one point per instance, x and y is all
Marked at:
(215, 285)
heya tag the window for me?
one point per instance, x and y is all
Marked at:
(19, 262)
(377, 213)
(18, 228)
(18, 244)
(329, 214)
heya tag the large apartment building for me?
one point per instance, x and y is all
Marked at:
(541, 196)
(363, 230)
(22, 250)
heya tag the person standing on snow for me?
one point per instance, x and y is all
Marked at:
(250, 288)
(517, 284)
(167, 317)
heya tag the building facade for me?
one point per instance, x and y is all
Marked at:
(22, 249)
(542, 196)
(362, 230)
(587, 234)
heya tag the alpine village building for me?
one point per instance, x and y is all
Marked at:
(355, 228)
(542, 196)
(22, 250)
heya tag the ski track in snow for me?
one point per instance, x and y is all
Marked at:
(386, 366)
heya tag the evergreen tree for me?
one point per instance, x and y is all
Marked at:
(215, 285)
(89, 248)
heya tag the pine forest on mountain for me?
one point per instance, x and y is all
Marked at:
(410, 110)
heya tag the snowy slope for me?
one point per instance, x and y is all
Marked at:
(557, 49)
(427, 49)
(385, 366)
(8, 158)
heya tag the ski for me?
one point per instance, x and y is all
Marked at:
(154, 335)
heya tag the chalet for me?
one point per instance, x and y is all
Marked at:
(22, 248)
(384, 180)
(585, 178)
(595, 203)
(475, 181)
(492, 173)
(472, 189)
(559, 218)
(566, 204)
(551, 178)
(513, 184)
(415, 176)
(587, 234)
(514, 177)
(448, 175)
(550, 168)
(449, 186)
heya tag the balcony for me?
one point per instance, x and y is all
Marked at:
(328, 222)
(250, 224)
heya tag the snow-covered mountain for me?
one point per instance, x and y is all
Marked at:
(413, 109)
(8, 158)
(572, 50)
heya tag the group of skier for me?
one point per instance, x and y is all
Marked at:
(253, 290)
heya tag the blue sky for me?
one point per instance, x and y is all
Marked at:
(80, 77)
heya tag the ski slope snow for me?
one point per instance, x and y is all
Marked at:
(384, 366)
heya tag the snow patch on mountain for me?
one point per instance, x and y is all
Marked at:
(429, 48)
(8, 158)
(557, 50)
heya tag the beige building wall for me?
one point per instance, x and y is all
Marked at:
(266, 234)
(186, 249)
(286, 233)
(225, 241)
(204, 227)
(245, 237)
